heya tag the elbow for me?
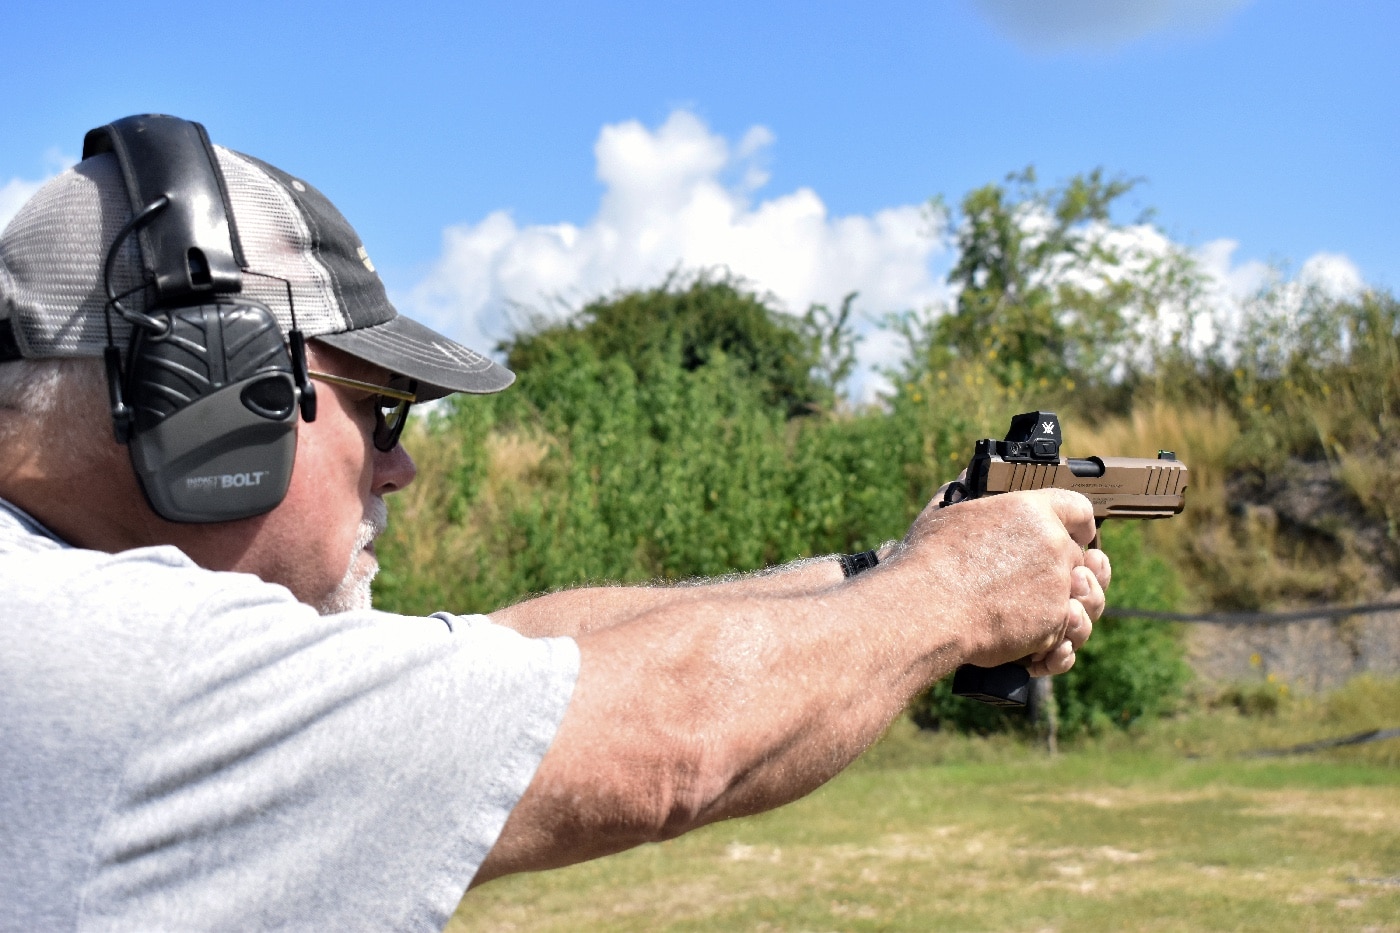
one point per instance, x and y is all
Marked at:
(701, 784)
(687, 786)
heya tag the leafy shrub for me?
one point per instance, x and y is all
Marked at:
(681, 473)
(690, 321)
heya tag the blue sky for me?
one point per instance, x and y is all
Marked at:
(493, 154)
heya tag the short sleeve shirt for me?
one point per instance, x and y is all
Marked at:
(182, 749)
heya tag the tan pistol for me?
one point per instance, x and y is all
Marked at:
(1029, 458)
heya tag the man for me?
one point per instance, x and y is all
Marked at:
(204, 723)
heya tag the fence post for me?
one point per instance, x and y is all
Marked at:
(1044, 712)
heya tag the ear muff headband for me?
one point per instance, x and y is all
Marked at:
(207, 394)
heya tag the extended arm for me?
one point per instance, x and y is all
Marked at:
(726, 703)
(584, 610)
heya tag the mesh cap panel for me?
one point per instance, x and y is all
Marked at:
(51, 257)
(51, 274)
(276, 242)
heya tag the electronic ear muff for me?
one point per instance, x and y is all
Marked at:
(207, 394)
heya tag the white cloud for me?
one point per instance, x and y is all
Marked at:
(1256, 287)
(1216, 259)
(1334, 274)
(16, 191)
(668, 204)
(682, 197)
(1056, 25)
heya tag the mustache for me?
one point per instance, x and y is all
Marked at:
(375, 521)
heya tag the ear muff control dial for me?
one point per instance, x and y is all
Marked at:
(273, 397)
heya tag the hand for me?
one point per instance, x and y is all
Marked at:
(1020, 581)
(1086, 604)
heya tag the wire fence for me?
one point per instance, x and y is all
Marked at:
(1259, 618)
(1359, 738)
(1255, 618)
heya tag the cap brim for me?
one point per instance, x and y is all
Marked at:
(440, 365)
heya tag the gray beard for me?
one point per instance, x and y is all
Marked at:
(353, 592)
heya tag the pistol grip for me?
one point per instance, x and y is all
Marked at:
(1006, 685)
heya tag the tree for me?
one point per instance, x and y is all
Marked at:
(796, 363)
(1049, 288)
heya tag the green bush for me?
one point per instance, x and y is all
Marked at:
(676, 473)
(1131, 669)
(691, 321)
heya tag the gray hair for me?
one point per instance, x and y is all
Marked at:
(60, 400)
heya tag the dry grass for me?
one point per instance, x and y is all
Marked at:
(973, 851)
(1167, 829)
(1233, 554)
(1201, 438)
(1372, 474)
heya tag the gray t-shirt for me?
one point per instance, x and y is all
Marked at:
(186, 750)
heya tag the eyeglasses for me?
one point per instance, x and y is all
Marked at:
(390, 406)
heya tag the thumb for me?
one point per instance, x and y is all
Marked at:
(1075, 512)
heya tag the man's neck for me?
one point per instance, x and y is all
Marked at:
(90, 503)
(29, 522)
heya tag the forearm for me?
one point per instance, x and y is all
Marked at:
(590, 609)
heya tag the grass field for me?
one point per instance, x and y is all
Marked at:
(1176, 827)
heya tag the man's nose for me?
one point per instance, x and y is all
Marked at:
(393, 470)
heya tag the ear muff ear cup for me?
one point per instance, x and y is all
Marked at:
(214, 406)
